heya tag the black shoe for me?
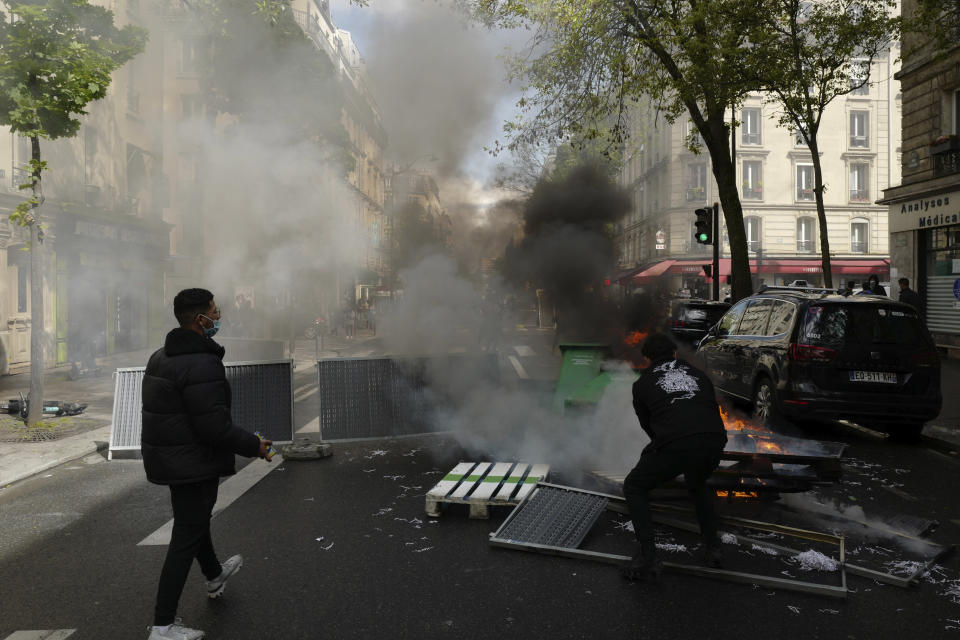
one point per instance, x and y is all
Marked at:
(645, 565)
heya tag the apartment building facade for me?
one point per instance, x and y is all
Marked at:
(859, 141)
(924, 207)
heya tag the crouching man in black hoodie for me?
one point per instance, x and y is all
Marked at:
(677, 408)
(188, 442)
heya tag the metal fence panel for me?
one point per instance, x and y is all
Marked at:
(382, 397)
(262, 396)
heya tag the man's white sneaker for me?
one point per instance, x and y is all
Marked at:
(230, 566)
(176, 631)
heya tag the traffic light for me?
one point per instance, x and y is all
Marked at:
(704, 232)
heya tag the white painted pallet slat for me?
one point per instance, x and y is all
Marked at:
(511, 483)
(474, 484)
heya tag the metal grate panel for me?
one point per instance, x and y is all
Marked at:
(262, 397)
(553, 516)
(383, 397)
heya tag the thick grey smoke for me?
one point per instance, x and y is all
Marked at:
(437, 79)
(438, 316)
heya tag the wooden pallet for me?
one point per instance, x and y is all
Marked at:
(482, 484)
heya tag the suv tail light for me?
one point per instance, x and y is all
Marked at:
(928, 358)
(677, 323)
(810, 353)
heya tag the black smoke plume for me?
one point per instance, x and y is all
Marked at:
(568, 249)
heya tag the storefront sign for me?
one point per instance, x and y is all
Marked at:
(924, 213)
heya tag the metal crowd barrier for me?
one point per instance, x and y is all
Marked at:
(262, 400)
(386, 396)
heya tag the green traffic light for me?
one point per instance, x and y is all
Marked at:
(702, 237)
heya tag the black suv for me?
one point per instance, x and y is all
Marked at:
(811, 355)
(691, 319)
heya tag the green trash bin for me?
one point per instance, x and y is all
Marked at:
(580, 366)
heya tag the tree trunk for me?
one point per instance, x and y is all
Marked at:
(726, 176)
(36, 295)
(821, 212)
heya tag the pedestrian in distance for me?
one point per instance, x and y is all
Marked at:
(848, 290)
(677, 407)
(908, 295)
(874, 286)
(188, 441)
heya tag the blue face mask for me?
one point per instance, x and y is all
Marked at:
(211, 331)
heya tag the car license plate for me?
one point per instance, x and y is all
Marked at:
(873, 376)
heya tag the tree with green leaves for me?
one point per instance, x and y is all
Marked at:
(809, 54)
(56, 57)
(590, 60)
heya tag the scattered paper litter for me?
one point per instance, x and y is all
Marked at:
(422, 550)
(376, 452)
(328, 547)
(794, 609)
(671, 547)
(728, 538)
(320, 539)
(766, 550)
(394, 478)
(833, 612)
(813, 560)
(627, 525)
(383, 511)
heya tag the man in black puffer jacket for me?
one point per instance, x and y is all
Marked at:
(676, 406)
(188, 442)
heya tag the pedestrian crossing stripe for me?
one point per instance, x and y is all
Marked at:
(56, 634)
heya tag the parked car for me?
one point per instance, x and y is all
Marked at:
(690, 319)
(816, 356)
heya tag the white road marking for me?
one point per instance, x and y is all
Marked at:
(524, 350)
(56, 634)
(521, 372)
(311, 427)
(306, 395)
(231, 489)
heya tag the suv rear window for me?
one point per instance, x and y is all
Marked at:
(836, 325)
(706, 314)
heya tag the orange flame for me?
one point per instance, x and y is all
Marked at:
(742, 495)
(634, 338)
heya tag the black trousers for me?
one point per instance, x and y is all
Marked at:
(192, 507)
(696, 458)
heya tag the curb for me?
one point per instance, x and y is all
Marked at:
(86, 444)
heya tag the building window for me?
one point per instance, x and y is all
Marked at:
(859, 129)
(191, 106)
(859, 78)
(751, 125)
(191, 51)
(694, 138)
(798, 140)
(752, 226)
(859, 182)
(752, 180)
(21, 289)
(805, 182)
(805, 229)
(858, 236)
(697, 182)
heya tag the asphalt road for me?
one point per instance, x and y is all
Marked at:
(341, 548)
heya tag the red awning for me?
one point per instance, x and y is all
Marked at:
(879, 266)
(652, 272)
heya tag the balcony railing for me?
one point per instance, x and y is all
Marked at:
(946, 163)
(805, 194)
(752, 193)
(696, 194)
(858, 247)
(751, 138)
(306, 22)
(859, 142)
(859, 195)
(804, 246)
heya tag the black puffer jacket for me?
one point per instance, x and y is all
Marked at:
(187, 434)
(673, 400)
